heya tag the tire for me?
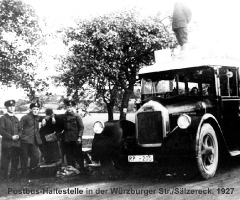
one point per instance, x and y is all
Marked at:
(207, 152)
(115, 169)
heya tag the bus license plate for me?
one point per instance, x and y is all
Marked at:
(140, 158)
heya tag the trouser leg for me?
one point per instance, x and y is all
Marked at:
(24, 158)
(69, 151)
(79, 156)
(5, 160)
(15, 155)
(43, 151)
(62, 150)
(34, 155)
(176, 31)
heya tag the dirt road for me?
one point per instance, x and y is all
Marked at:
(143, 183)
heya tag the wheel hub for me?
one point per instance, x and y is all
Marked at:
(207, 151)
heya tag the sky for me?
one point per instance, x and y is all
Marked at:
(215, 23)
(62, 9)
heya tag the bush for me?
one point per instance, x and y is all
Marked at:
(21, 108)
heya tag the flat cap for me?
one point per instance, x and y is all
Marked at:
(32, 105)
(9, 103)
(69, 103)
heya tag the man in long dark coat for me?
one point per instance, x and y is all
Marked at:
(30, 139)
(72, 136)
(10, 130)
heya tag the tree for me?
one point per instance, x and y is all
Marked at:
(20, 38)
(21, 105)
(108, 51)
(35, 89)
(94, 89)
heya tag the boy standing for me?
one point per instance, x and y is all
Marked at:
(10, 130)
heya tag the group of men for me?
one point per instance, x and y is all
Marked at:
(22, 139)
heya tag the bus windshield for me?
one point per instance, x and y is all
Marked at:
(191, 81)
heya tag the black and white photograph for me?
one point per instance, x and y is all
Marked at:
(129, 99)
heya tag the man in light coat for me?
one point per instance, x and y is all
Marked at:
(182, 15)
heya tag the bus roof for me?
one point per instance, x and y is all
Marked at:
(187, 63)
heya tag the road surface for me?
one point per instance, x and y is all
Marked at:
(143, 183)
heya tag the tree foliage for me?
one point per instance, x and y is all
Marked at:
(21, 105)
(107, 52)
(20, 37)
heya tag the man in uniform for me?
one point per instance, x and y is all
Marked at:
(72, 136)
(30, 139)
(10, 129)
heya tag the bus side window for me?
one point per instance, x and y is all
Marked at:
(228, 82)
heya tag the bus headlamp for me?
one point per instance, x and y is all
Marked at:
(98, 127)
(184, 121)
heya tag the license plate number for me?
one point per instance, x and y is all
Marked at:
(140, 158)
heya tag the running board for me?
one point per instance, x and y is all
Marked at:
(234, 153)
